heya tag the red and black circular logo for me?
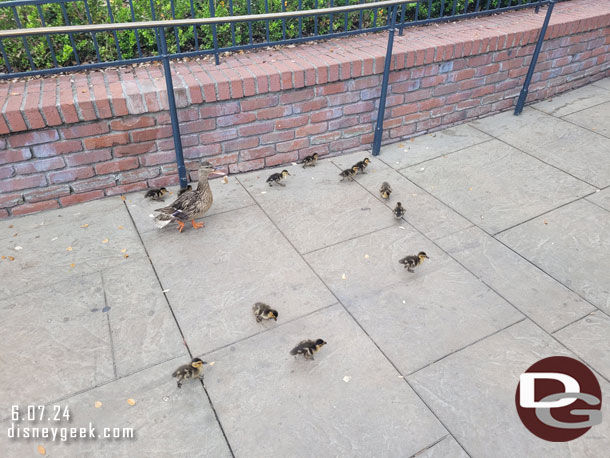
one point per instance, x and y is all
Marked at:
(559, 399)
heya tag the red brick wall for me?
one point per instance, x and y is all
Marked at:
(81, 137)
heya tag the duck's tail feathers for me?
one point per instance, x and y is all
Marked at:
(294, 351)
(163, 220)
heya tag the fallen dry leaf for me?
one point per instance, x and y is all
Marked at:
(11, 258)
(73, 265)
(11, 226)
(123, 197)
(69, 248)
(225, 180)
(84, 226)
(125, 255)
(41, 450)
(212, 363)
(105, 241)
(131, 402)
(3, 257)
(124, 250)
(120, 227)
(97, 404)
(546, 222)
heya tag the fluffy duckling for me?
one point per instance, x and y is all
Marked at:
(385, 190)
(348, 174)
(188, 371)
(183, 190)
(399, 211)
(277, 177)
(264, 312)
(156, 194)
(362, 164)
(307, 348)
(310, 161)
(412, 261)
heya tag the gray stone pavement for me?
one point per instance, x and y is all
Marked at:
(97, 307)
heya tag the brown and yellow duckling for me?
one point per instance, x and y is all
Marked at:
(348, 174)
(264, 312)
(277, 178)
(399, 211)
(310, 161)
(189, 371)
(183, 190)
(156, 194)
(385, 190)
(412, 261)
(307, 348)
(191, 204)
(362, 165)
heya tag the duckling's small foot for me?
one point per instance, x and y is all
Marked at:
(179, 385)
(180, 227)
(411, 270)
(197, 225)
(281, 184)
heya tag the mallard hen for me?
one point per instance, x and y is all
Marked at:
(191, 204)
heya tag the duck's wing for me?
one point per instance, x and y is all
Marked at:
(178, 205)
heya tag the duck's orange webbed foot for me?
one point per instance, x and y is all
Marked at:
(180, 226)
(197, 225)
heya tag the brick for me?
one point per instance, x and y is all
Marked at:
(218, 109)
(359, 107)
(284, 158)
(88, 157)
(22, 182)
(79, 198)
(333, 88)
(37, 166)
(199, 125)
(235, 119)
(325, 115)
(246, 166)
(256, 153)
(257, 129)
(106, 141)
(33, 138)
(85, 130)
(345, 98)
(463, 74)
(325, 138)
(115, 166)
(69, 175)
(6, 172)
(94, 183)
(138, 175)
(310, 105)
(10, 200)
(345, 144)
(311, 129)
(275, 137)
(218, 136)
(131, 123)
(26, 209)
(52, 192)
(167, 144)
(162, 157)
(292, 145)
(291, 123)
(166, 180)
(365, 82)
(357, 130)
(240, 144)
(148, 134)
(126, 188)
(259, 102)
(342, 123)
(198, 151)
(274, 112)
(57, 148)
(15, 155)
(133, 149)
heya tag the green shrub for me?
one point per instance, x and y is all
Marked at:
(227, 35)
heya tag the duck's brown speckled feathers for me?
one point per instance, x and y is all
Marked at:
(156, 194)
(348, 174)
(189, 371)
(264, 312)
(385, 190)
(362, 165)
(307, 348)
(191, 204)
(310, 161)
(182, 191)
(412, 261)
(399, 211)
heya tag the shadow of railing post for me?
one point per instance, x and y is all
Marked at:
(173, 114)
(530, 70)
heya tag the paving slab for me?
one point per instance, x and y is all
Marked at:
(447, 448)
(425, 147)
(214, 275)
(589, 338)
(423, 211)
(166, 421)
(495, 185)
(144, 331)
(414, 318)
(315, 209)
(87, 240)
(473, 394)
(601, 198)
(60, 333)
(543, 299)
(572, 244)
(604, 83)
(348, 402)
(574, 101)
(227, 196)
(596, 118)
(571, 148)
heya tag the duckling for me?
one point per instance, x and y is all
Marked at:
(349, 173)
(193, 370)
(310, 161)
(362, 164)
(385, 190)
(156, 194)
(264, 312)
(277, 177)
(412, 261)
(183, 190)
(399, 211)
(307, 348)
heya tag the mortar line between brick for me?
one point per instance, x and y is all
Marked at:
(169, 305)
(22, 106)
(108, 94)
(39, 105)
(92, 96)
(353, 318)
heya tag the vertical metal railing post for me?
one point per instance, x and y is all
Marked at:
(384, 84)
(530, 71)
(173, 114)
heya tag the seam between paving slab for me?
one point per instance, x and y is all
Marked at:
(354, 319)
(179, 328)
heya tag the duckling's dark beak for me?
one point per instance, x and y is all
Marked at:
(204, 362)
